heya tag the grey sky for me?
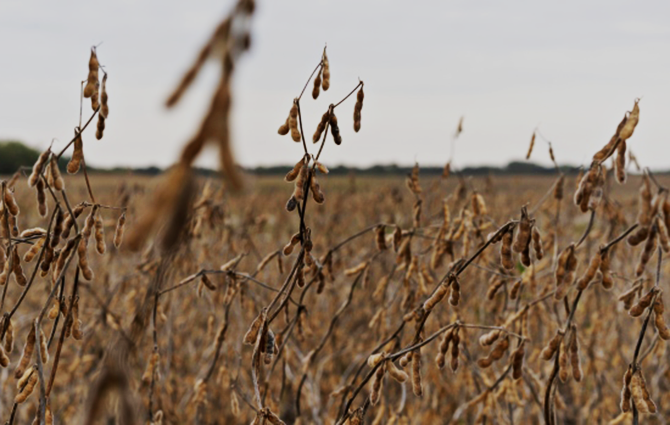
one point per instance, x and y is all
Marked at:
(573, 67)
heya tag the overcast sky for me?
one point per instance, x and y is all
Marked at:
(571, 67)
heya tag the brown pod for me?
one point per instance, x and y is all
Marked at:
(380, 237)
(77, 153)
(100, 128)
(517, 360)
(315, 188)
(523, 234)
(574, 356)
(661, 327)
(648, 251)
(92, 81)
(358, 107)
(325, 84)
(295, 171)
(396, 373)
(607, 280)
(558, 189)
(549, 350)
(100, 245)
(530, 148)
(455, 339)
(537, 243)
(10, 202)
(620, 163)
(42, 208)
(38, 168)
(27, 355)
(86, 271)
(417, 388)
(68, 222)
(455, 294)
(335, 129)
(325, 119)
(284, 128)
(104, 98)
(663, 236)
(625, 390)
(590, 273)
(640, 394)
(317, 86)
(120, 229)
(293, 122)
(631, 122)
(57, 180)
(642, 303)
(506, 250)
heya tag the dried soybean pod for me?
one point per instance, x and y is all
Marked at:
(377, 381)
(295, 171)
(9, 337)
(77, 153)
(299, 187)
(10, 202)
(455, 294)
(317, 194)
(358, 108)
(537, 243)
(27, 355)
(631, 122)
(27, 389)
(317, 85)
(335, 129)
(100, 245)
(590, 273)
(663, 236)
(34, 249)
(82, 254)
(68, 222)
(58, 182)
(252, 333)
(517, 360)
(380, 237)
(100, 127)
(325, 119)
(92, 81)
(284, 128)
(620, 163)
(563, 362)
(4, 360)
(478, 204)
(42, 208)
(530, 148)
(456, 340)
(642, 303)
(661, 327)
(558, 189)
(640, 394)
(44, 350)
(38, 168)
(396, 373)
(417, 388)
(549, 350)
(325, 84)
(625, 390)
(506, 249)
(58, 228)
(120, 229)
(648, 251)
(19, 276)
(104, 107)
(293, 122)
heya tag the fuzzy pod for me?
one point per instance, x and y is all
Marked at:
(496, 354)
(455, 340)
(69, 220)
(642, 303)
(92, 80)
(100, 127)
(34, 249)
(630, 124)
(537, 243)
(376, 385)
(455, 294)
(56, 180)
(293, 122)
(284, 128)
(100, 245)
(661, 327)
(577, 373)
(478, 205)
(119, 230)
(523, 234)
(4, 359)
(335, 129)
(590, 273)
(325, 83)
(358, 107)
(325, 119)
(317, 86)
(38, 168)
(10, 202)
(607, 280)
(648, 251)
(315, 188)
(17, 269)
(396, 373)
(77, 154)
(625, 390)
(517, 361)
(620, 163)
(640, 394)
(104, 98)
(558, 188)
(417, 386)
(9, 337)
(252, 333)
(27, 355)
(506, 259)
(549, 350)
(82, 255)
(27, 390)
(44, 349)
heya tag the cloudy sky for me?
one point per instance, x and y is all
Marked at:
(572, 68)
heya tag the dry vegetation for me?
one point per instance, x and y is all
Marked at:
(445, 300)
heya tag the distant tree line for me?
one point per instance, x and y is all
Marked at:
(14, 154)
